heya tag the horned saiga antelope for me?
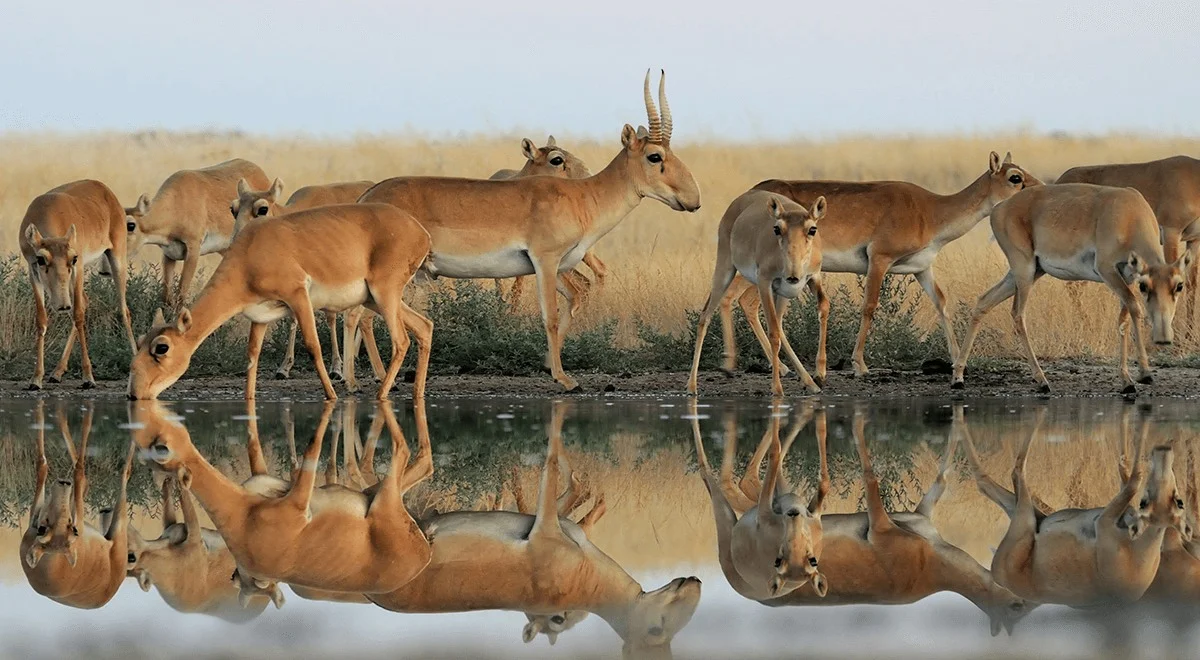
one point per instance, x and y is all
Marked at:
(189, 218)
(543, 225)
(63, 231)
(1080, 231)
(880, 227)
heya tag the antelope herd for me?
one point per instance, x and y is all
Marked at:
(333, 248)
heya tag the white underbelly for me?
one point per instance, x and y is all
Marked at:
(1081, 266)
(748, 271)
(266, 312)
(214, 243)
(92, 257)
(510, 262)
(844, 261)
(338, 298)
(915, 263)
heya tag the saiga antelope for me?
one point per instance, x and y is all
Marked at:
(1178, 578)
(352, 542)
(329, 258)
(64, 559)
(771, 242)
(543, 225)
(1172, 188)
(899, 557)
(64, 231)
(552, 160)
(251, 204)
(541, 564)
(1087, 557)
(1079, 231)
(768, 543)
(189, 565)
(881, 227)
(189, 218)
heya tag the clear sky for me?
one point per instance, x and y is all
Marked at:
(735, 69)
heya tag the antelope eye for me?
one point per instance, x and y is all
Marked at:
(557, 619)
(556, 161)
(1016, 607)
(654, 158)
(1144, 504)
(132, 226)
(1016, 178)
(778, 562)
(778, 231)
(74, 530)
(161, 349)
(260, 211)
(812, 231)
(74, 260)
(41, 260)
(232, 211)
(41, 530)
(1179, 288)
(812, 561)
(1178, 503)
(1142, 287)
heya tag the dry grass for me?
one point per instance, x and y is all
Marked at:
(661, 261)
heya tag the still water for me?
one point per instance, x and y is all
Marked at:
(637, 491)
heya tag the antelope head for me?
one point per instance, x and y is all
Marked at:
(796, 564)
(1160, 504)
(1005, 178)
(648, 625)
(162, 357)
(795, 229)
(55, 260)
(134, 238)
(551, 625)
(55, 526)
(551, 160)
(251, 204)
(1160, 287)
(162, 440)
(656, 171)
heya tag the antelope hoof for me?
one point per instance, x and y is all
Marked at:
(1129, 389)
(820, 381)
(34, 387)
(729, 373)
(1146, 380)
(54, 378)
(410, 376)
(87, 385)
(282, 375)
(958, 385)
(1044, 388)
(336, 375)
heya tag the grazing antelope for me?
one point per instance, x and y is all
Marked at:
(64, 559)
(189, 565)
(1079, 231)
(329, 258)
(551, 160)
(251, 204)
(1172, 188)
(351, 542)
(771, 242)
(1178, 578)
(881, 227)
(63, 231)
(899, 557)
(543, 225)
(768, 543)
(189, 218)
(1087, 557)
(541, 564)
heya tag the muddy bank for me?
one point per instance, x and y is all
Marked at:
(1067, 378)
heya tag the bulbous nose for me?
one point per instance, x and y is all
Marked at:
(793, 280)
(1164, 342)
(65, 307)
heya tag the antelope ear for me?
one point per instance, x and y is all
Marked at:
(529, 632)
(1131, 268)
(184, 322)
(72, 235)
(143, 203)
(643, 133)
(243, 187)
(529, 149)
(1007, 158)
(158, 318)
(553, 637)
(994, 162)
(775, 208)
(820, 584)
(33, 237)
(818, 208)
(34, 556)
(550, 141)
(1184, 262)
(144, 581)
(276, 190)
(277, 596)
(629, 136)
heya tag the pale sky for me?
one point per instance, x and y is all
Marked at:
(740, 70)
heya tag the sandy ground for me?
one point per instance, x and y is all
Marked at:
(1067, 378)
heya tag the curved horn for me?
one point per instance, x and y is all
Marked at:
(652, 115)
(662, 105)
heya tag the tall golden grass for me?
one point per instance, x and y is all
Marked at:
(660, 260)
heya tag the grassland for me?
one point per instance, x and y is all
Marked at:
(660, 260)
